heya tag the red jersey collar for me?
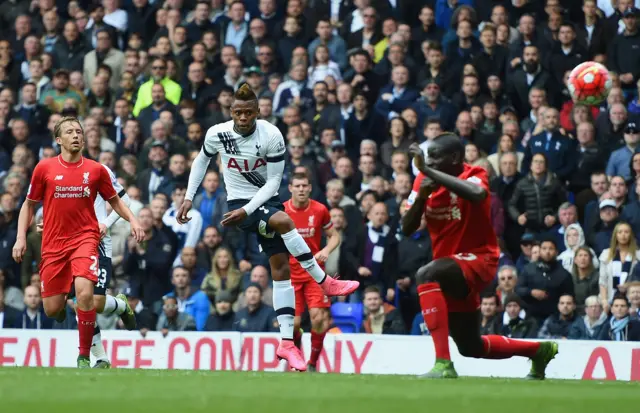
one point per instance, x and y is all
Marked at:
(70, 165)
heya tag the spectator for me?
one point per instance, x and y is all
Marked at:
(542, 283)
(592, 326)
(105, 54)
(622, 328)
(207, 247)
(190, 263)
(172, 90)
(380, 317)
(70, 50)
(515, 323)
(397, 96)
(558, 325)
(519, 85)
(189, 299)
(590, 158)
(54, 99)
(172, 319)
(9, 316)
(224, 276)
(257, 317)
(537, 197)
(260, 276)
(336, 46)
(620, 160)
(617, 264)
(603, 229)
(633, 295)
(222, 318)
(574, 239)
(585, 276)
(33, 316)
(12, 296)
(507, 281)
(567, 215)
(188, 234)
(212, 201)
(621, 58)
(490, 321)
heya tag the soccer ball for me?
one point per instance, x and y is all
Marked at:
(589, 83)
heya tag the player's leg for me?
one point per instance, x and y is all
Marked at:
(119, 304)
(300, 307)
(284, 304)
(318, 304)
(298, 248)
(55, 285)
(84, 267)
(434, 280)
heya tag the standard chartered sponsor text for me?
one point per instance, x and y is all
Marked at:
(70, 192)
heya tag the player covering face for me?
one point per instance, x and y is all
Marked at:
(312, 219)
(67, 186)
(455, 199)
(252, 154)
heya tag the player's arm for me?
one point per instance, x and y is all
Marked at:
(198, 170)
(417, 201)
(470, 189)
(122, 193)
(27, 212)
(333, 242)
(108, 193)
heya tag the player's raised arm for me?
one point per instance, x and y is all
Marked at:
(275, 171)
(198, 170)
(422, 188)
(445, 163)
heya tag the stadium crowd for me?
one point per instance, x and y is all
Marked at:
(351, 85)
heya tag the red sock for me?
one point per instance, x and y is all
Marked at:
(86, 325)
(317, 341)
(436, 317)
(297, 337)
(500, 347)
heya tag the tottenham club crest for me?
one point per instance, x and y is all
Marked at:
(85, 178)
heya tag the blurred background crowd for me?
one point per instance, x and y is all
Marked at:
(351, 84)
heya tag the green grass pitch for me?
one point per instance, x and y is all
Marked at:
(27, 390)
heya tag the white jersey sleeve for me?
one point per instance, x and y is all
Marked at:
(201, 163)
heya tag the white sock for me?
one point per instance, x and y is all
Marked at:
(284, 302)
(301, 252)
(113, 305)
(97, 350)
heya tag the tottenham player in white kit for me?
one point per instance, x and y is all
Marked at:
(252, 163)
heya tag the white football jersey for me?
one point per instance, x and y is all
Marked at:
(244, 159)
(100, 206)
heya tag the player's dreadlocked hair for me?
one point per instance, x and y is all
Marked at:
(62, 121)
(245, 93)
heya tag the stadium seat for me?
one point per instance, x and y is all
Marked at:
(348, 317)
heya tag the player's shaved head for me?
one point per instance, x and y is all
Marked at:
(446, 154)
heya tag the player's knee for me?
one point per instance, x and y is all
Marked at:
(280, 267)
(281, 223)
(427, 274)
(52, 307)
(473, 349)
(317, 320)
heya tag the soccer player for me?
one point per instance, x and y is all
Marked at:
(67, 186)
(311, 219)
(456, 202)
(252, 157)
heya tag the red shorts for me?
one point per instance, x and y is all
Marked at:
(309, 294)
(479, 271)
(58, 272)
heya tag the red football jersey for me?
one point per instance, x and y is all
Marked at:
(457, 225)
(67, 192)
(310, 223)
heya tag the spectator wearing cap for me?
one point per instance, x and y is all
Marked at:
(623, 57)
(620, 160)
(557, 148)
(594, 325)
(70, 50)
(256, 317)
(172, 319)
(104, 53)
(190, 300)
(149, 262)
(54, 99)
(542, 283)
(515, 323)
(617, 263)
(603, 230)
(172, 90)
(196, 89)
(223, 317)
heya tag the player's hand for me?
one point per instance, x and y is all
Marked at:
(364, 272)
(232, 218)
(539, 294)
(181, 215)
(244, 266)
(39, 228)
(103, 230)
(136, 230)
(549, 220)
(404, 283)
(427, 186)
(415, 152)
(605, 306)
(391, 294)
(522, 219)
(387, 96)
(322, 256)
(19, 248)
